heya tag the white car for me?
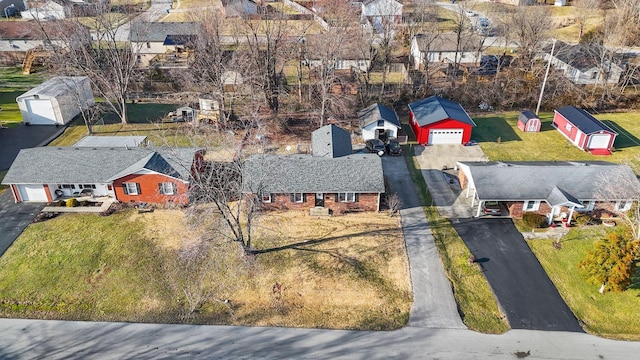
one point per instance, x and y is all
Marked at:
(470, 13)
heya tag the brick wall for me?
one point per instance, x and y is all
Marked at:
(463, 179)
(149, 191)
(365, 202)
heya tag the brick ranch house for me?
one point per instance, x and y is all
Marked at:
(554, 189)
(154, 175)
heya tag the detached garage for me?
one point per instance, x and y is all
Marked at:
(584, 131)
(435, 120)
(56, 101)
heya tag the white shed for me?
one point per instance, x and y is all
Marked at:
(378, 122)
(56, 101)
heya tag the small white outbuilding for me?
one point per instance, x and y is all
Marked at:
(56, 101)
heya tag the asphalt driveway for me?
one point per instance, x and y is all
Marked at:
(14, 139)
(527, 296)
(15, 217)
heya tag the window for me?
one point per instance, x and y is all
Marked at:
(148, 45)
(568, 127)
(167, 188)
(131, 188)
(623, 205)
(346, 197)
(265, 198)
(381, 123)
(87, 186)
(594, 75)
(531, 205)
(297, 197)
(66, 186)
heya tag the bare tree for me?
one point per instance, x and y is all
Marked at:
(109, 61)
(529, 25)
(622, 186)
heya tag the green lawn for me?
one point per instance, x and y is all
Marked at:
(501, 140)
(612, 315)
(77, 267)
(13, 84)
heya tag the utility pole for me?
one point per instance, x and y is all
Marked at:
(546, 74)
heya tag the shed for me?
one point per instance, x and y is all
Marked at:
(378, 122)
(528, 121)
(584, 131)
(182, 114)
(435, 120)
(56, 101)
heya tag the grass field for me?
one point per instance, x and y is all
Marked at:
(500, 139)
(341, 272)
(611, 315)
(13, 84)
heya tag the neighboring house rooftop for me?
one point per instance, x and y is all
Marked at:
(331, 141)
(57, 86)
(583, 120)
(555, 182)
(111, 141)
(579, 56)
(375, 112)
(447, 42)
(434, 109)
(60, 165)
(159, 31)
(359, 173)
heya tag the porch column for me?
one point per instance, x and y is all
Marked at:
(479, 208)
(551, 215)
(570, 214)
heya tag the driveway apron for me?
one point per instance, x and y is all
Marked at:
(15, 218)
(524, 291)
(433, 303)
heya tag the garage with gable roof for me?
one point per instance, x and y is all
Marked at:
(435, 120)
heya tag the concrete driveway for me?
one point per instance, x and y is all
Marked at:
(433, 303)
(14, 218)
(12, 140)
(524, 291)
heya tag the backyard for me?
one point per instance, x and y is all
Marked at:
(12, 85)
(347, 272)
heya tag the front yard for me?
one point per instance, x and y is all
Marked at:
(347, 272)
(611, 315)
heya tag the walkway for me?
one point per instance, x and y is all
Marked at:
(106, 202)
(433, 302)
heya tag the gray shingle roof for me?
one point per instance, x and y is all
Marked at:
(447, 42)
(583, 120)
(434, 109)
(56, 86)
(158, 31)
(375, 112)
(51, 165)
(359, 173)
(555, 182)
(527, 115)
(331, 141)
(111, 141)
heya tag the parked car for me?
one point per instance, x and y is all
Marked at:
(375, 146)
(393, 147)
(484, 22)
(491, 208)
(470, 13)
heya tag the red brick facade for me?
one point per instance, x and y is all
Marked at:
(364, 202)
(149, 190)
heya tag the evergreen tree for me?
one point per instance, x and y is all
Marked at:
(611, 263)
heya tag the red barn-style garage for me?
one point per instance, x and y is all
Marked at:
(584, 131)
(435, 120)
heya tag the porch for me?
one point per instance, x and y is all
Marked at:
(105, 200)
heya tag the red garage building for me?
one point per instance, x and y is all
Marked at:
(584, 131)
(435, 120)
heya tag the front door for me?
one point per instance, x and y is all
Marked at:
(320, 199)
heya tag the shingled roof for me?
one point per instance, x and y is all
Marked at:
(375, 112)
(158, 31)
(583, 120)
(358, 173)
(555, 182)
(434, 109)
(331, 141)
(60, 165)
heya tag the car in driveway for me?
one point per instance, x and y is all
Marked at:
(491, 208)
(393, 147)
(375, 146)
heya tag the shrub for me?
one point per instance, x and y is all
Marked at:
(72, 202)
(84, 203)
(533, 220)
(61, 203)
(582, 219)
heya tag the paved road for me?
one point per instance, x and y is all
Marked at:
(14, 139)
(37, 339)
(523, 289)
(14, 218)
(433, 301)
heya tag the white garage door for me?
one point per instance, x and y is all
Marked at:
(41, 112)
(32, 193)
(445, 136)
(599, 141)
